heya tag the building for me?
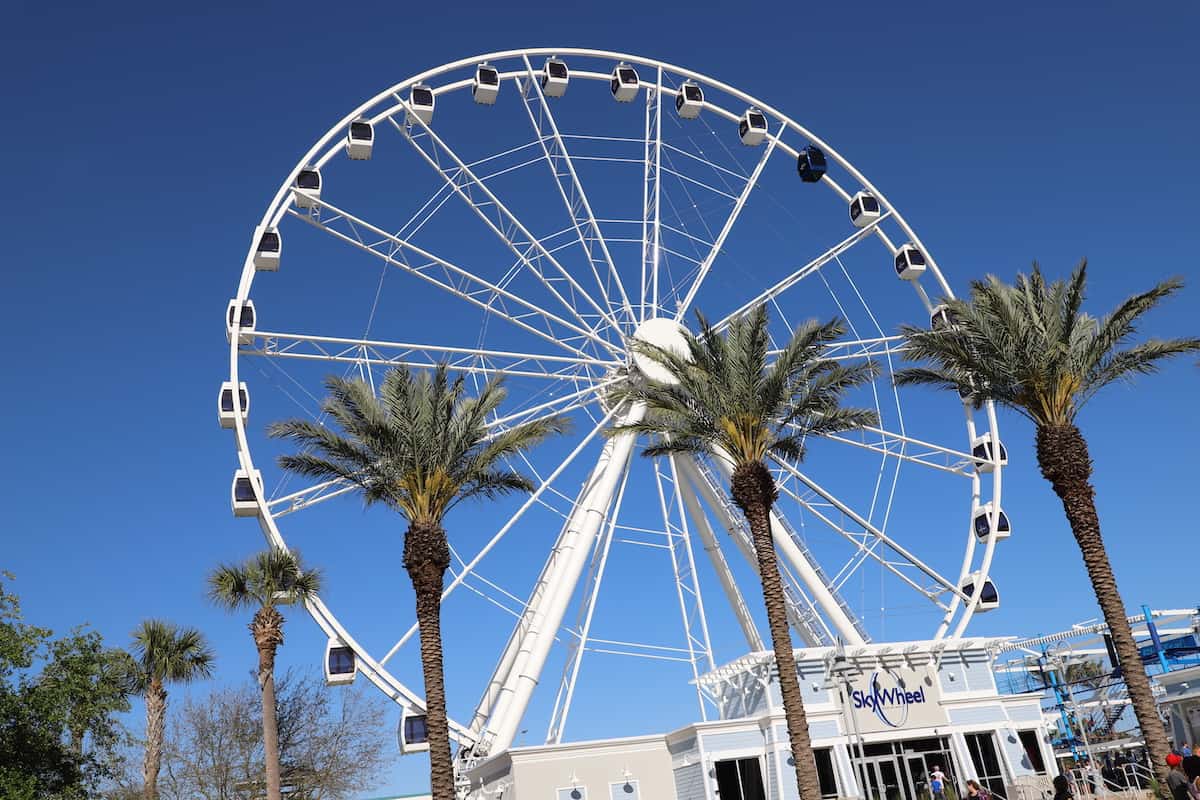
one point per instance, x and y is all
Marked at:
(881, 716)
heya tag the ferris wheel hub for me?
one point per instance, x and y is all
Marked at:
(662, 332)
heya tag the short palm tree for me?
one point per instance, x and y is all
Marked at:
(1029, 347)
(420, 448)
(264, 582)
(728, 401)
(164, 653)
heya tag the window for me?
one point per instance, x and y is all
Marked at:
(758, 121)
(361, 131)
(740, 779)
(341, 661)
(628, 76)
(1033, 750)
(269, 242)
(422, 96)
(871, 204)
(624, 790)
(557, 69)
(693, 92)
(415, 730)
(572, 793)
(489, 77)
(243, 490)
(308, 179)
(982, 747)
(825, 772)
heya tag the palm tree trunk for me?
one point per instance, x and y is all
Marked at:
(1063, 457)
(427, 557)
(754, 492)
(156, 716)
(267, 629)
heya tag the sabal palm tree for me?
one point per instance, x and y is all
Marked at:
(420, 448)
(1031, 348)
(164, 653)
(728, 401)
(265, 581)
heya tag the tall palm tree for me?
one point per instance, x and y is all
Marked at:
(265, 581)
(164, 653)
(420, 448)
(727, 401)
(1029, 347)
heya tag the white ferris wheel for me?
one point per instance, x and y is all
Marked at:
(527, 213)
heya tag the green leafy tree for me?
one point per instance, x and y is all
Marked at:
(728, 401)
(266, 581)
(164, 654)
(1031, 348)
(58, 704)
(420, 448)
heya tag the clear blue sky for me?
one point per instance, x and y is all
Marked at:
(142, 144)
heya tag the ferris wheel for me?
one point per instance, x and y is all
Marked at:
(529, 213)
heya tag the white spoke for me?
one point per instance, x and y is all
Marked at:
(573, 197)
(592, 393)
(422, 356)
(804, 271)
(907, 448)
(738, 205)
(651, 199)
(451, 277)
(858, 519)
(505, 224)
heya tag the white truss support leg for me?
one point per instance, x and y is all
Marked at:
(566, 689)
(708, 538)
(687, 584)
(545, 612)
(801, 614)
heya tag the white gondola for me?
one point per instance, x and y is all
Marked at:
(307, 188)
(486, 85)
(225, 413)
(910, 262)
(245, 321)
(752, 128)
(420, 105)
(242, 493)
(810, 163)
(983, 524)
(340, 664)
(413, 733)
(267, 248)
(689, 102)
(624, 83)
(864, 209)
(981, 449)
(989, 598)
(360, 138)
(555, 76)
(942, 318)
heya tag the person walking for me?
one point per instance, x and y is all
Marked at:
(977, 792)
(1062, 788)
(1177, 780)
(937, 783)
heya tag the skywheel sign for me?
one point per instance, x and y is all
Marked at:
(894, 699)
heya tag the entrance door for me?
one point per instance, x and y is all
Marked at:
(884, 779)
(740, 779)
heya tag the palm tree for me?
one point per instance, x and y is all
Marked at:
(1030, 348)
(266, 581)
(420, 448)
(164, 653)
(726, 401)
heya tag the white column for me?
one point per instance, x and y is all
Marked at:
(551, 597)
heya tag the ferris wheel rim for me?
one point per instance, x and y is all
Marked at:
(326, 148)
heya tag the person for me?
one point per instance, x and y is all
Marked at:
(1062, 788)
(1185, 751)
(977, 792)
(1191, 765)
(937, 783)
(1177, 781)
